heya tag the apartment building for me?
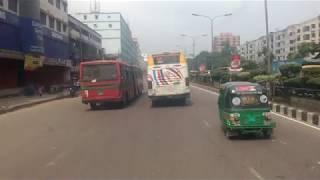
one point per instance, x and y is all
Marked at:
(284, 42)
(116, 35)
(220, 40)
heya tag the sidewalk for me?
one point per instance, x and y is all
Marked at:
(9, 104)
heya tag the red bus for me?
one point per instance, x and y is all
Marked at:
(107, 81)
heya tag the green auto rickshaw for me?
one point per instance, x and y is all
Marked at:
(244, 109)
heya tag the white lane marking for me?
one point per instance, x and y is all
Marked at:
(285, 117)
(206, 123)
(54, 161)
(283, 142)
(294, 120)
(205, 90)
(255, 173)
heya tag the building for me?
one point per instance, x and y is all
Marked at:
(284, 42)
(41, 44)
(84, 42)
(117, 39)
(220, 41)
(33, 42)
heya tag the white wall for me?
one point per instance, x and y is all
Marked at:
(52, 10)
(111, 46)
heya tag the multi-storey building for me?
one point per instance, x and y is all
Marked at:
(33, 42)
(286, 41)
(220, 41)
(116, 35)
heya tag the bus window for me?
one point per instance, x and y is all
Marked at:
(99, 72)
(158, 60)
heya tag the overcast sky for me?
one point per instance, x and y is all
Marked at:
(158, 24)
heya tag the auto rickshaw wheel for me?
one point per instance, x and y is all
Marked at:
(267, 133)
(228, 133)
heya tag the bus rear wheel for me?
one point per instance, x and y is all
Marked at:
(93, 106)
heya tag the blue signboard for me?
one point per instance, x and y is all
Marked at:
(31, 36)
(277, 64)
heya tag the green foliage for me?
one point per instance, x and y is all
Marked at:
(303, 50)
(248, 65)
(290, 70)
(296, 82)
(314, 83)
(241, 76)
(220, 75)
(266, 78)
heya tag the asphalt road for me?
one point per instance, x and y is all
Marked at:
(65, 140)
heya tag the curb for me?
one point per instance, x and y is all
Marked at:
(26, 105)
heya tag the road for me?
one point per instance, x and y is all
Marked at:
(65, 140)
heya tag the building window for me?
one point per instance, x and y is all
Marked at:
(278, 44)
(306, 37)
(110, 25)
(1, 2)
(51, 22)
(58, 25)
(292, 48)
(298, 31)
(313, 26)
(97, 16)
(110, 17)
(292, 41)
(306, 28)
(313, 35)
(65, 6)
(43, 18)
(64, 27)
(50, 1)
(13, 5)
(95, 25)
(58, 2)
(85, 17)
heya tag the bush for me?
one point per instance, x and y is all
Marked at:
(313, 83)
(296, 82)
(290, 70)
(241, 76)
(266, 78)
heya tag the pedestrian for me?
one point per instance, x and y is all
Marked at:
(40, 90)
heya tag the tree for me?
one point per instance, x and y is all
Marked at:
(290, 70)
(248, 65)
(303, 50)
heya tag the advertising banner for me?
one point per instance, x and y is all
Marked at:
(31, 62)
(202, 67)
(235, 64)
(31, 36)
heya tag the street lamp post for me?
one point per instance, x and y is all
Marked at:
(267, 37)
(211, 23)
(193, 42)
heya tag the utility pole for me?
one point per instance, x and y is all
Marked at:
(268, 56)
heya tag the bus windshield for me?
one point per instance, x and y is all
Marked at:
(170, 59)
(99, 72)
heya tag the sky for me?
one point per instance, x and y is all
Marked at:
(158, 25)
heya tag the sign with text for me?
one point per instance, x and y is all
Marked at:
(235, 63)
(32, 62)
